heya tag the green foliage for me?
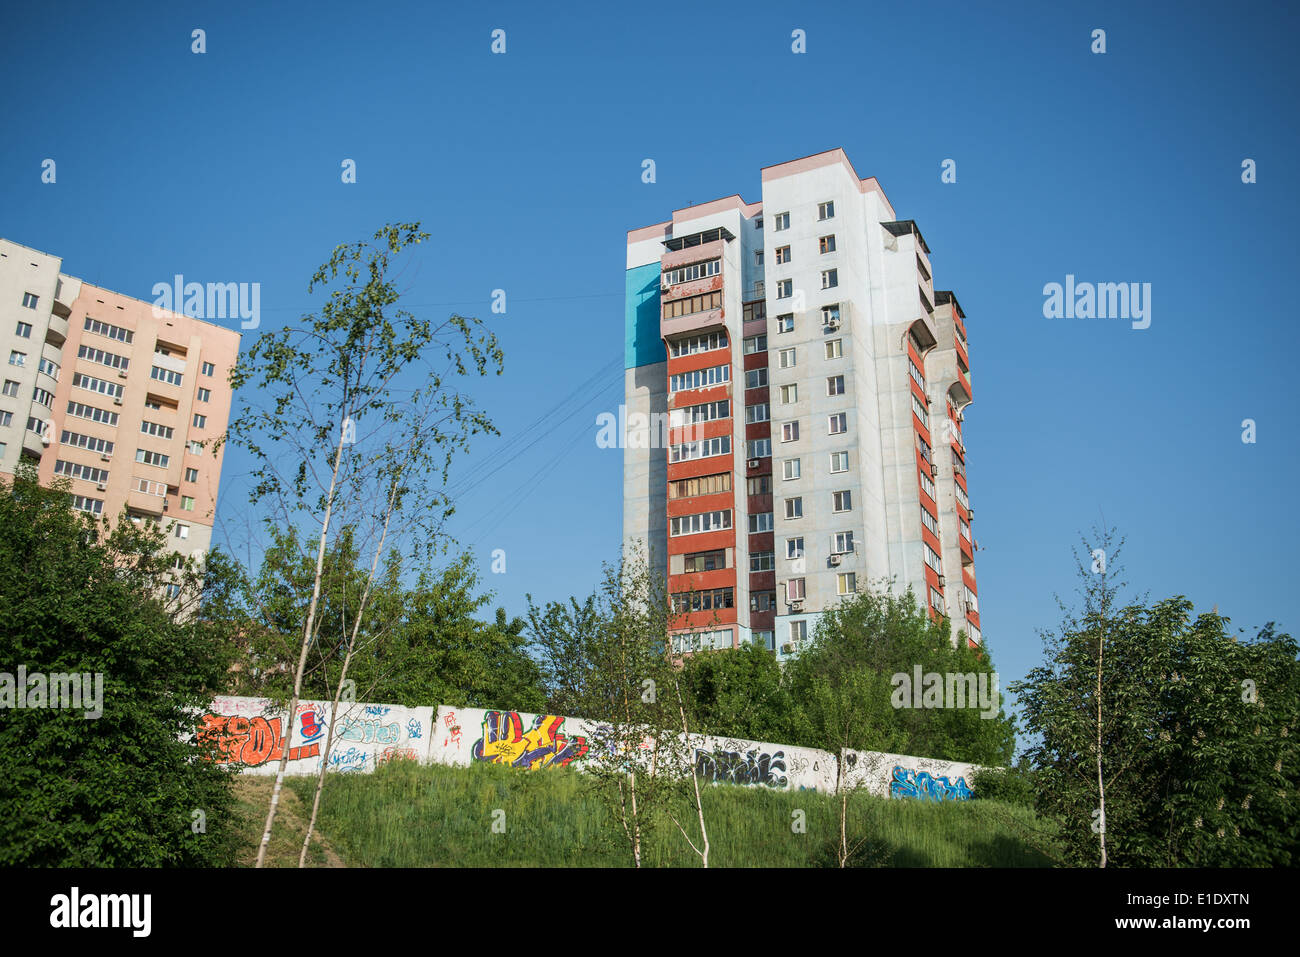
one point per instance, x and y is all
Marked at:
(841, 687)
(1010, 785)
(406, 815)
(736, 692)
(120, 790)
(1195, 731)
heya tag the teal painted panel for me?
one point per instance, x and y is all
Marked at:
(642, 344)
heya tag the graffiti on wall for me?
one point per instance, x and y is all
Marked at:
(923, 786)
(505, 741)
(249, 741)
(742, 767)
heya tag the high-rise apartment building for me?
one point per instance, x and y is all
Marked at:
(113, 395)
(804, 386)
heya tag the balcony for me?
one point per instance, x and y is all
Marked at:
(147, 496)
(57, 332)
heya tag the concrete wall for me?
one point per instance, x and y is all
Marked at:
(251, 733)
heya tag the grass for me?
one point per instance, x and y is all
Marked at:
(408, 815)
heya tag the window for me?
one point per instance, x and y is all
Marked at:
(785, 323)
(927, 486)
(91, 384)
(827, 244)
(760, 522)
(51, 369)
(703, 449)
(92, 413)
(757, 413)
(6, 418)
(838, 423)
(104, 358)
(798, 631)
(44, 398)
(182, 530)
(758, 257)
(794, 507)
(784, 288)
(919, 408)
(762, 562)
(680, 488)
(705, 561)
(753, 311)
(692, 272)
(936, 601)
(704, 412)
(165, 375)
(961, 495)
(786, 359)
(684, 347)
(30, 300)
(834, 348)
(108, 331)
(17, 358)
(10, 388)
(842, 543)
(701, 522)
(187, 503)
(759, 485)
(153, 428)
(145, 457)
(209, 368)
(782, 255)
(83, 504)
(782, 221)
(830, 278)
(3, 447)
(846, 583)
(39, 426)
(700, 378)
(760, 289)
(796, 589)
(835, 385)
(916, 373)
(758, 449)
(932, 558)
(842, 501)
(790, 469)
(755, 344)
(762, 601)
(764, 639)
(756, 378)
(690, 305)
(826, 210)
(790, 431)
(929, 521)
(84, 472)
(102, 446)
(192, 475)
(758, 223)
(790, 394)
(24, 330)
(830, 315)
(794, 547)
(965, 529)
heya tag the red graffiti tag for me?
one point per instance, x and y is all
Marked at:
(248, 741)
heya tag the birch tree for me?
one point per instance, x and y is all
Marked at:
(355, 414)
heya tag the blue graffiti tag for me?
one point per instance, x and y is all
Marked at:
(413, 728)
(923, 786)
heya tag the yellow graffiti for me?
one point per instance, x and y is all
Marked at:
(505, 742)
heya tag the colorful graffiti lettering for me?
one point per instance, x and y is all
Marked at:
(312, 727)
(397, 754)
(923, 786)
(413, 729)
(505, 742)
(353, 759)
(377, 710)
(248, 741)
(369, 732)
(735, 767)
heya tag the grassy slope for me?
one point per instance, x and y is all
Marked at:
(406, 815)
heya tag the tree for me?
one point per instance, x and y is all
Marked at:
(736, 692)
(1184, 732)
(125, 789)
(333, 444)
(877, 635)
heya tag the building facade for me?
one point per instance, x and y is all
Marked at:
(113, 395)
(802, 386)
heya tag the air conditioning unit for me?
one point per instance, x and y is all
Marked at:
(835, 559)
(787, 648)
(796, 605)
(941, 581)
(121, 373)
(934, 470)
(102, 486)
(105, 456)
(754, 463)
(117, 400)
(970, 514)
(832, 324)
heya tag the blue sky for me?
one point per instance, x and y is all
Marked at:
(1124, 166)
